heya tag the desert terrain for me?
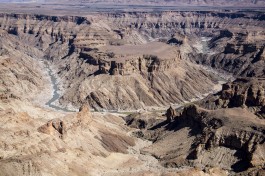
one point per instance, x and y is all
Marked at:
(138, 88)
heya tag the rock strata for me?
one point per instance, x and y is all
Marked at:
(127, 61)
(243, 92)
(213, 138)
(108, 49)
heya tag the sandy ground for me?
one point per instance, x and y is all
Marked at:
(159, 49)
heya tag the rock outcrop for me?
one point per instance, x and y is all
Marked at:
(243, 92)
(128, 61)
(84, 115)
(171, 114)
(211, 138)
(59, 142)
(237, 52)
(54, 127)
(143, 120)
(120, 52)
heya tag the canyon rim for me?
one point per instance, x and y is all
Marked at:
(132, 87)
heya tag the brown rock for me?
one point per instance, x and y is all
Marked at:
(226, 94)
(170, 114)
(258, 156)
(84, 115)
(53, 127)
(243, 92)
(104, 69)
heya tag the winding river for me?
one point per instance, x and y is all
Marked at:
(56, 95)
(204, 49)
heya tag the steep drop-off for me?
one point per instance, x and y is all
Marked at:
(82, 50)
(128, 61)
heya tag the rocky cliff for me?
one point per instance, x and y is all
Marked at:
(209, 138)
(243, 92)
(240, 52)
(128, 61)
(85, 50)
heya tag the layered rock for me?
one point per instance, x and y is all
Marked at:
(21, 74)
(107, 61)
(82, 48)
(243, 92)
(90, 138)
(240, 52)
(206, 139)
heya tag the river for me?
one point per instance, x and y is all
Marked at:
(202, 46)
(56, 94)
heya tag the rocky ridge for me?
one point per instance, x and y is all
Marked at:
(238, 52)
(82, 57)
(224, 137)
(243, 92)
(207, 139)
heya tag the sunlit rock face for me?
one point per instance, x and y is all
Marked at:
(132, 66)
(118, 60)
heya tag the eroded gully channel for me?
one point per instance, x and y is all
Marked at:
(56, 95)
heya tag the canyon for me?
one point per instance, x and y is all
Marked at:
(132, 92)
